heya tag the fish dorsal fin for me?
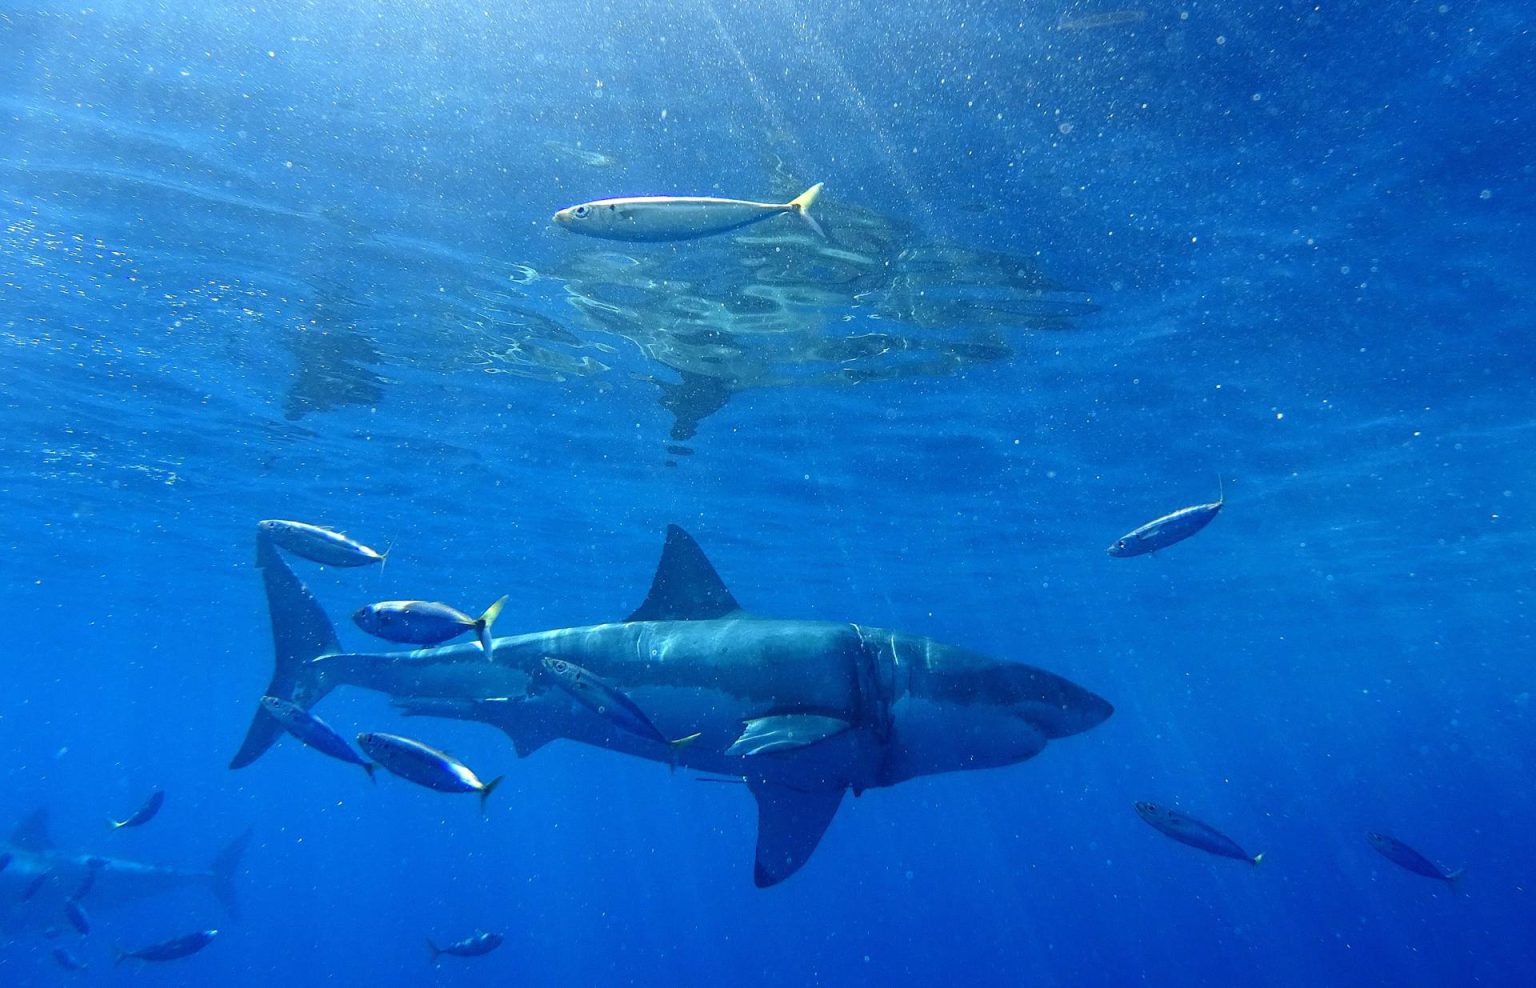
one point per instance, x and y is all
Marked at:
(686, 587)
(32, 833)
(790, 823)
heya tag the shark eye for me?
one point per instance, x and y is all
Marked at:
(579, 212)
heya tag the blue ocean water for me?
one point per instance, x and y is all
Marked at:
(1088, 263)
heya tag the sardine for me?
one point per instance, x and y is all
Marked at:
(1188, 830)
(143, 814)
(313, 731)
(415, 762)
(319, 545)
(68, 961)
(424, 622)
(650, 219)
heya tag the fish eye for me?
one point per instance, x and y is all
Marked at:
(579, 212)
(1120, 544)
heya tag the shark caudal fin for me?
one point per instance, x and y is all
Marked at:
(300, 632)
(223, 871)
(801, 204)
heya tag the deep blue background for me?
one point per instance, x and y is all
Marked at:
(1305, 225)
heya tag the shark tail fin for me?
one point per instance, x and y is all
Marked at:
(484, 622)
(226, 865)
(487, 789)
(300, 632)
(801, 204)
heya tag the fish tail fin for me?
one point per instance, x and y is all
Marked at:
(122, 955)
(675, 746)
(226, 865)
(436, 951)
(371, 769)
(801, 204)
(300, 632)
(483, 624)
(384, 557)
(1257, 859)
(116, 825)
(485, 792)
(1454, 879)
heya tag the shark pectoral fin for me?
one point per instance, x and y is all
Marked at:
(767, 735)
(790, 823)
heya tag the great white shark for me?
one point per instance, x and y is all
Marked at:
(801, 711)
(39, 878)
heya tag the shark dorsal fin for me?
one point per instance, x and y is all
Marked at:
(686, 587)
(32, 833)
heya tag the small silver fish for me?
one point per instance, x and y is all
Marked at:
(1165, 531)
(653, 219)
(415, 762)
(319, 545)
(143, 814)
(1187, 830)
(475, 946)
(1406, 857)
(77, 916)
(425, 622)
(608, 701)
(593, 159)
(313, 731)
(169, 950)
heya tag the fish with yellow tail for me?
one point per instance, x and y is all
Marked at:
(425, 622)
(656, 219)
(605, 700)
(415, 762)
